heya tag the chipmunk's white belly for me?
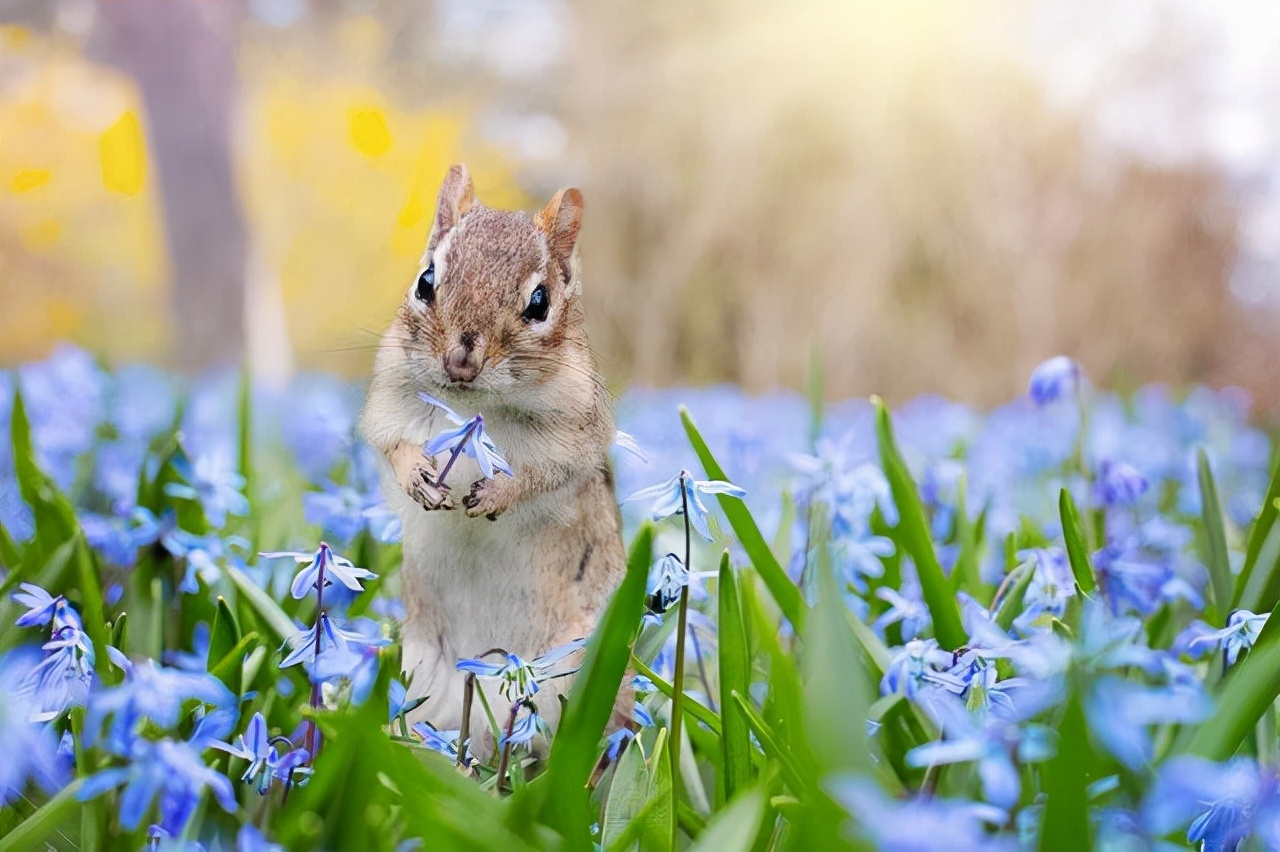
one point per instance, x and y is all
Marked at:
(470, 586)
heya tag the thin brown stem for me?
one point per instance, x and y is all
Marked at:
(506, 748)
(468, 694)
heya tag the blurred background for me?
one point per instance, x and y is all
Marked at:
(927, 196)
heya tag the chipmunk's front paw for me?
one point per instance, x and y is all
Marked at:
(490, 497)
(424, 491)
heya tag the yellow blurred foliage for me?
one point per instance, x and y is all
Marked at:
(123, 153)
(337, 179)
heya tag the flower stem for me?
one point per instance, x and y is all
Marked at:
(315, 687)
(457, 451)
(677, 678)
(506, 748)
(468, 692)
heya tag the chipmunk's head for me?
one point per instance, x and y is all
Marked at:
(494, 307)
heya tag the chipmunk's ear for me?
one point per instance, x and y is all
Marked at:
(560, 221)
(456, 197)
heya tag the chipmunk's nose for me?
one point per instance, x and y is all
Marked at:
(463, 362)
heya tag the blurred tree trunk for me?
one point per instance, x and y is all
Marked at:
(181, 53)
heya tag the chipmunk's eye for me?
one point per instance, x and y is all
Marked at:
(426, 290)
(539, 302)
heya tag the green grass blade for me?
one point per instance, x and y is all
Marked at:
(263, 604)
(1215, 539)
(835, 682)
(95, 621)
(775, 579)
(1258, 536)
(591, 699)
(1073, 535)
(1065, 779)
(1242, 696)
(35, 831)
(913, 534)
(735, 827)
(735, 675)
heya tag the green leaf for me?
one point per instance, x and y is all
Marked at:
(774, 747)
(10, 557)
(35, 831)
(95, 621)
(263, 604)
(1242, 696)
(735, 827)
(775, 579)
(54, 518)
(877, 654)
(639, 809)
(1065, 779)
(735, 675)
(244, 428)
(591, 699)
(966, 576)
(835, 683)
(639, 805)
(1011, 607)
(1073, 535)
(230, 668)
(223, 635)
(913, 535)
(1215, 539)
(691, 707)
(1260, 539)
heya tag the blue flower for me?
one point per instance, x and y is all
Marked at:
(912, 613)
(213, 482)
(202, 554)
(323, 563)
(519, 678)
(1118, 484)
(468, 438)
(170, 770)
(993, 745)
(344, 637)
(525, 728)
(667, 577)
(1054, 379)
(670, 498)
(919, 824)
(1221, 800)
(249, 839)
(1120, 712)
(444, 742)
(265, 762)
(41, 605)
(149, 692)
(30, 749)
(1239, 635)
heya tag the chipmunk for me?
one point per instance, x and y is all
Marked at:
(493, 324)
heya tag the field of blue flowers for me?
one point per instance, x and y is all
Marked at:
(1045, 626)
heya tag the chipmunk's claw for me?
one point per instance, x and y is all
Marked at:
(426, 493)
(489, 497)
